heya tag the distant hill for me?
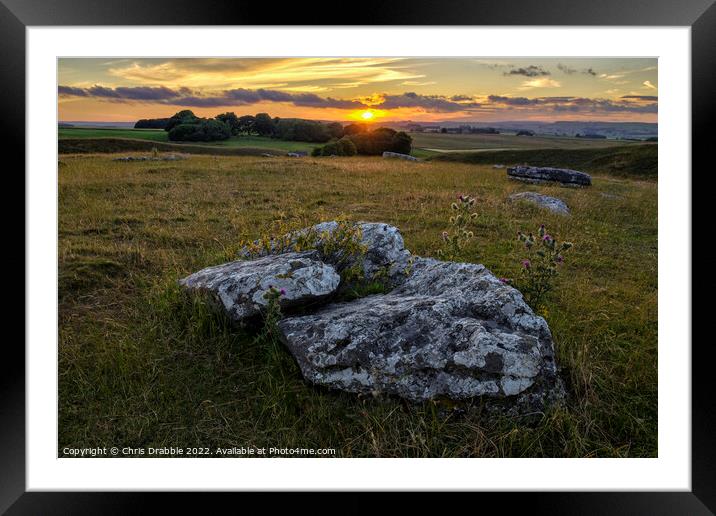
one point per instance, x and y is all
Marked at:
(624, 160)
(612, 130)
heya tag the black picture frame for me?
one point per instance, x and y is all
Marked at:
(17, 15)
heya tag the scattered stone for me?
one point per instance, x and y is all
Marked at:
(498, 166)
(238, 287)
(397, 155)
(385, 248)
(266, 155)
(169, 157)
(544, 201)
(450, 330)
(297, 154)
(539, 175)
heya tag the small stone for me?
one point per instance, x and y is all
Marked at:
(543, 201)
(397, 155)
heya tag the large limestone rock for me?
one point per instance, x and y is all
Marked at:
(445, 330)
(385, 249)
(450, 330)
(543, 201)
(538, 175)
(239, 287)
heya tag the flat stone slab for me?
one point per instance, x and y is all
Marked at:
(539, 175)
(543, 201)
(450, 330)
(239, 287)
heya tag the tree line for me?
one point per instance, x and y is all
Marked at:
(340, 141)
(186, 126)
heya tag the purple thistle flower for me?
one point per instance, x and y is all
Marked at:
(547, 238)
(526, 264)
(560, 259)
(505, 280)
(283, 292)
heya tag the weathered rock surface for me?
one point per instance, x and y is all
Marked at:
(540, 175)
(544, 201)
(397, 155)
(384, 243)
(238, 287)
(450, 330)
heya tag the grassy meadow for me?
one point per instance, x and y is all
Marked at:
(140, 365)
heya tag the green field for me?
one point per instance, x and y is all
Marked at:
(260, 143)
(624, 160)
(424, 144)
(481, 142)
(141, 366)
(155, 135)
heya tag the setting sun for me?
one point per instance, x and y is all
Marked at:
(367, 115)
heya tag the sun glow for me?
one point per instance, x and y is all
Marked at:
(367, 115)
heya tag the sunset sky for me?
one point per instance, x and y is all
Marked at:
(343, 89)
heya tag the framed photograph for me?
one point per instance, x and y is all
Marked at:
(438, 249)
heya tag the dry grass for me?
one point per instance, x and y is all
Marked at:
(141, 366)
